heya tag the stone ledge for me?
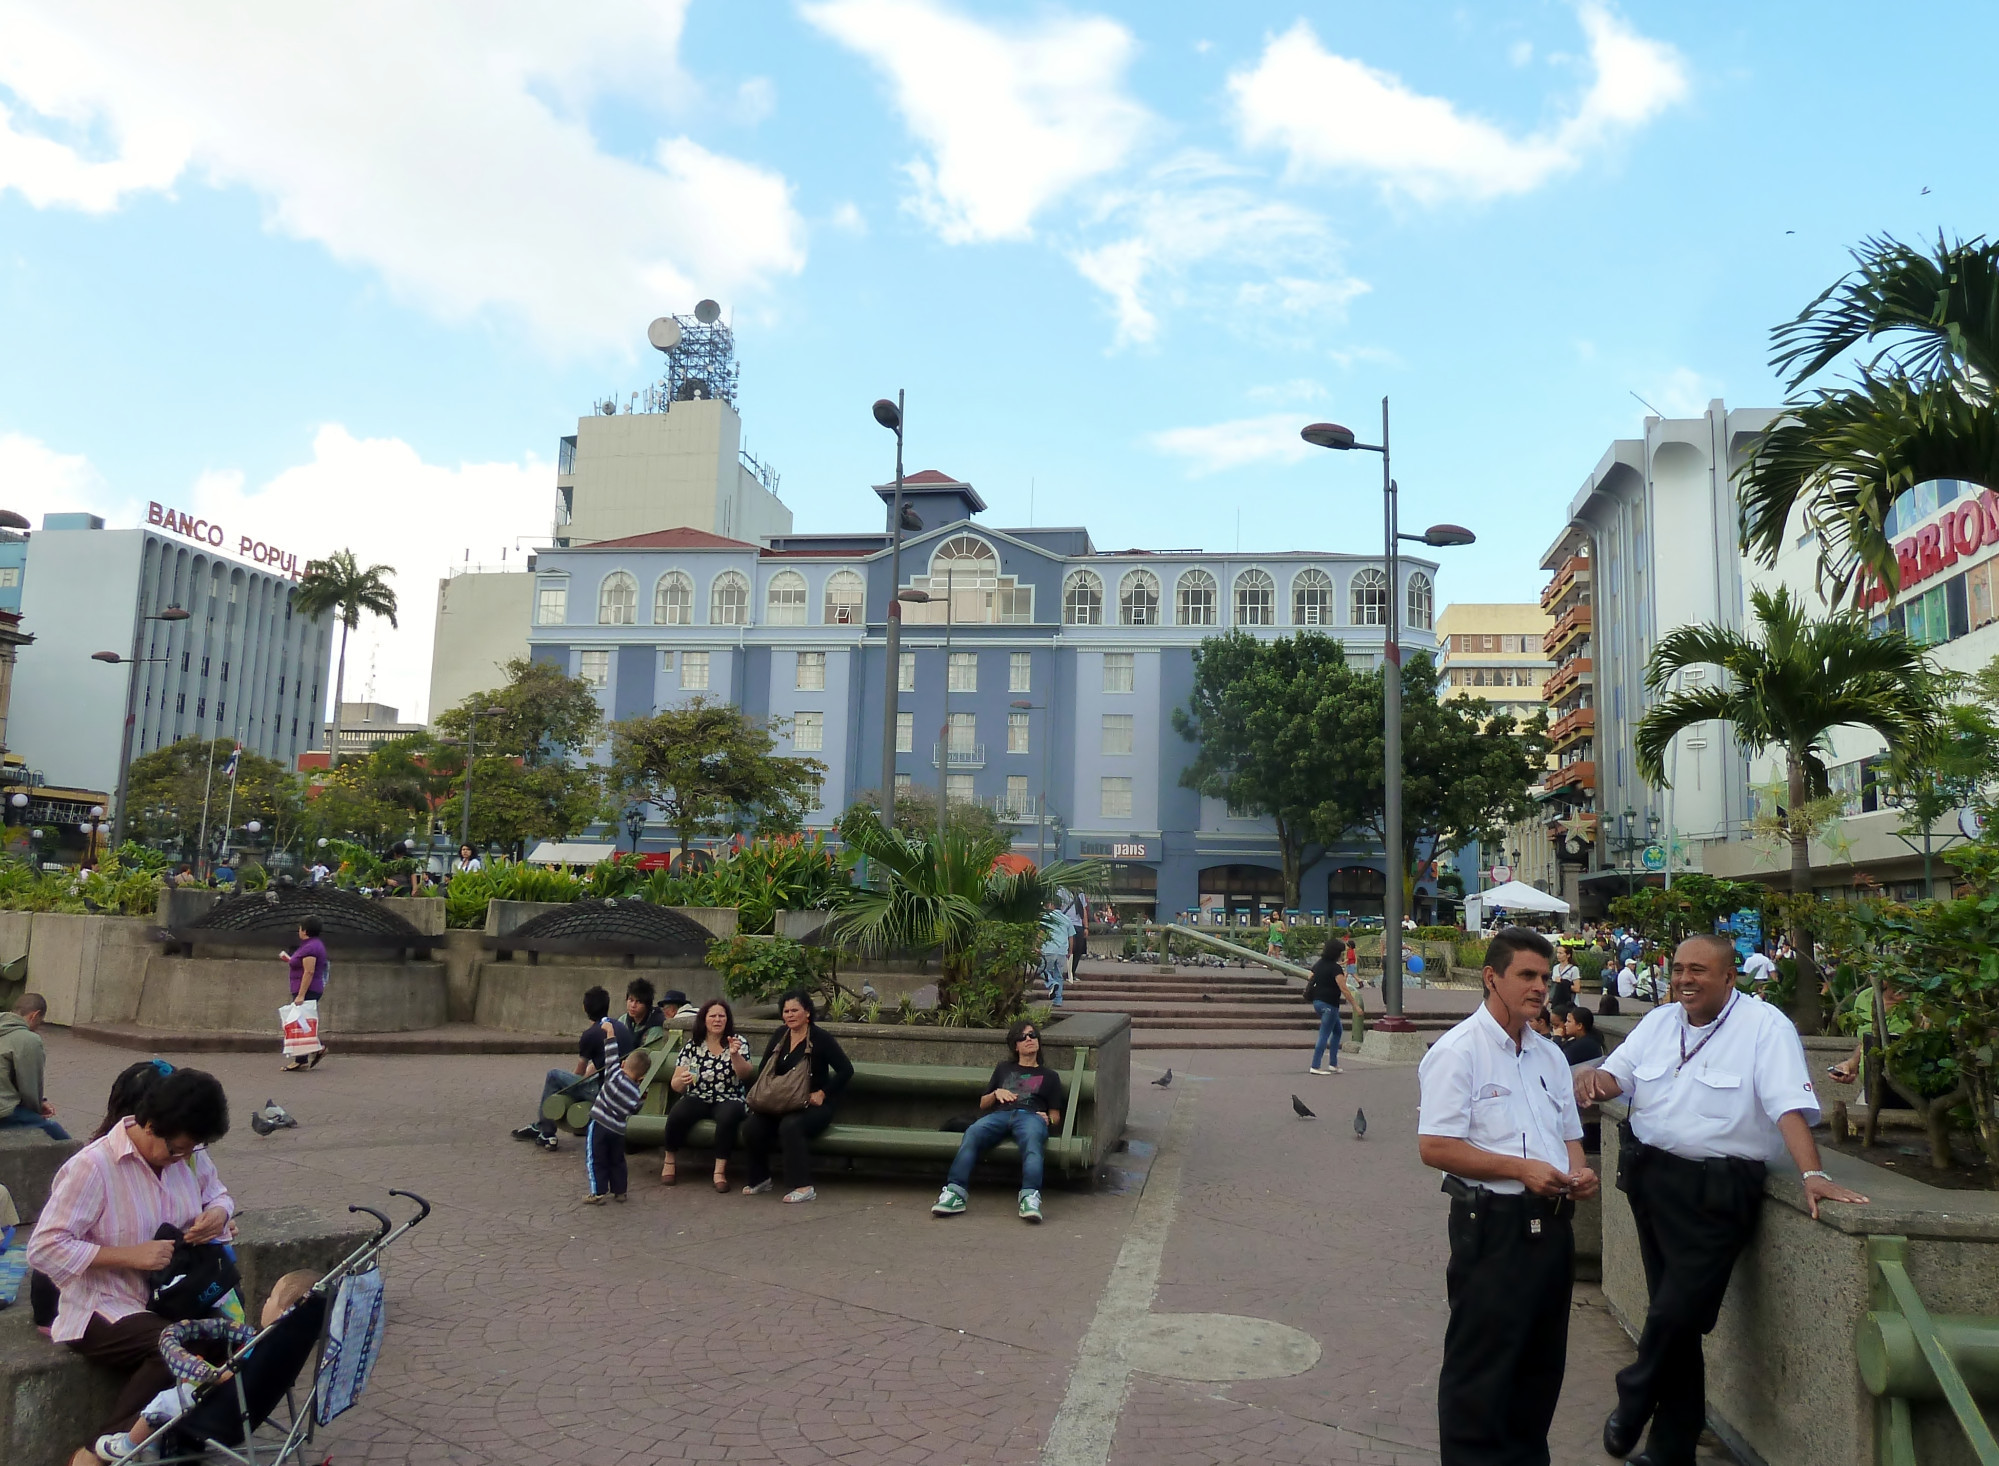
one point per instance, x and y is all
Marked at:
(29, 1161)
(449, 1038)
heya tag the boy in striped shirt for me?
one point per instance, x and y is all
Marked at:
(605, 1139)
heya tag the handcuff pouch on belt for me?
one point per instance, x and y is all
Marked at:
(1532, 1212)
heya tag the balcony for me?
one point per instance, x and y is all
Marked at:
(1566, 678)
(1578, 775)
(1580, 723)
(963, 755)
(1574, 571)
(1014, 811)
(1573, 622)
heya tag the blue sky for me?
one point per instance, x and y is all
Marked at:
(345, 278)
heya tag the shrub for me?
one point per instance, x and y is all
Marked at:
(985, 985)
(756, 969)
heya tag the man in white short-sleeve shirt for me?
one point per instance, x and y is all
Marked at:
(1499, 1118)
(1718, 1086)
(1758, 967)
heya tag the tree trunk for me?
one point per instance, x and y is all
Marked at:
(339, 691)
(1807, 1007)
(1289, 851)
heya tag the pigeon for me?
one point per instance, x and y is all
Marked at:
(1298, 1109)
(272, 1116)
(1164, 1080)
(868, 993)
(1207, 997)
(1360, 1124)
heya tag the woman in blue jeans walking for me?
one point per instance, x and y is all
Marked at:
(1023, 1101)
(1327, 986)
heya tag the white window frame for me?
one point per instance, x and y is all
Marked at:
(905, 732)
(1114, 797)
(673, 599)
(735, 611)
(1422, 606)
(961, 672)
(1195, 599)
(694, 672)
(1020, 671)
(555, 592)
(787, 599)
(1017, 733)
(590, 657)
(1119, 734)
(1083, 599)
(1116, 663)
(846, 599)
(1314, 598)
(618, 599)
(905, 672)
(811, 672)
(1367, 598)
(808, 732)
(1250, 587)
(1138, 599)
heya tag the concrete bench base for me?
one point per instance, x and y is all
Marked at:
(29, 1161)
(52, 1401)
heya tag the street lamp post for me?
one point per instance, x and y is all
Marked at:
(171, 613)
(944, 735)
(914, 598)
(92, 829)
(471, 739)
(635, 826)
(1047, 748)
(889, 415)
(1332, 435)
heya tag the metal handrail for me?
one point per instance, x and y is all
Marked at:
(1899, 1319)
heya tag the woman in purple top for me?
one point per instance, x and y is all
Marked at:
(308, 980)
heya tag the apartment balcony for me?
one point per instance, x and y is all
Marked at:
(1578, 775)
(1573, 623)
(1574, 572)
(1575, 672)
(1565, 730)
(963, 755)
(1026, 811)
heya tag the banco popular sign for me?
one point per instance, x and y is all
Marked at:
(210, 532)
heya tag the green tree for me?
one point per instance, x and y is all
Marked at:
(339, 584)
(1922, 408)
(916, 813)
(1788, 691)
(1695, 903)
(515, 803)
(708, 768)
(167, 788)
(1262, 717)
(543, 716)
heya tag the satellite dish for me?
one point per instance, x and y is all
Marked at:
(694, 389)
(664, 333)
(707, 312)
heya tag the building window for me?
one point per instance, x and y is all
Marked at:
(221, 711)
(1117, 733)
(846, 599)
(10, 576)
(808, 732)
(966, 571)
(904, 781)
(784, 602)
(905, 672)
(963, 673)
(201, 707)
(180, 703)
(204, 666)
(958, 789)
(729, 600)
(1312, 598)
(905, 732)
(1083, 600)
(1421, 603)
(963, 730)
(1016, 733)
(694, 671)
(1138, 599)
(225, 671)
(1020, 671)
(594, 668)
(666, 662)
(1255, 599)
(1370, 598)
(1114, 797)
(618, 601)
(1120, 672)
(811, 672)
(673, 600)
(1018, 800)
(1194, 599)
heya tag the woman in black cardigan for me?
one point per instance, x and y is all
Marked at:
(800, 1041)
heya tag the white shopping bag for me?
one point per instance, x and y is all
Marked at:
(301, 1025)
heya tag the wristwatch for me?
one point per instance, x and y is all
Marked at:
(1807, 1175)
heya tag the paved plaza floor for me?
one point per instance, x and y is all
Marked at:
(690, 1326)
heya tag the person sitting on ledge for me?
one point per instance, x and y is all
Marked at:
(1023, 1101)
(798, 1040)
(599, 1049)
(23, 1063)
(643, 1015)
(711, 1081)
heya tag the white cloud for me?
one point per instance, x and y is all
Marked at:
(848, 218)
(1221, 446)
(1681, 392)
(1013, 118)
(1520, 52)
(374, 496)
(1331, 113)
(445, 146)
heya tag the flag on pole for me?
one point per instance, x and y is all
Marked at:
(229, 769)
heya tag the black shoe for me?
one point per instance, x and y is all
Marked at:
(527, 1132)
(547, 1142)
(1620, 1433)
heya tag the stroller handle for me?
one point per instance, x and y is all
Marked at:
(412, 1196)
(379, 1217)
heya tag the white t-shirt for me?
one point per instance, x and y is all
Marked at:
(1567, 971)
(1477, 1087)
(1627, 982)
(1758, 967)
(1726, 1099)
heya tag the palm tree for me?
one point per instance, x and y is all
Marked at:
(1922, 408)
(1790, 690)
(339, 584)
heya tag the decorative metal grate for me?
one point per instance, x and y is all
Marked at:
(630, 925)
(278, 912)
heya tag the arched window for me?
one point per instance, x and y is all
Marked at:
(729, 600)
(1422, 599)
(1138, 599)
(784, 602)
(965, 583)
(1194, 599)
(846, 599)
(1255, 599)
(1370, 598)
(618, 600)
(1083, 600)
(1312, 598)
(673, 600)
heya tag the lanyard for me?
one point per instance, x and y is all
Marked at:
(1685, 1056)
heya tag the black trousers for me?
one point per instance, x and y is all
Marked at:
(1694, 1219)
(606, 1162)
(688, 1111)
(792, 1133)
(1507, 1342)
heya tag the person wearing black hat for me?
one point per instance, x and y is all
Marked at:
(1498, 1118)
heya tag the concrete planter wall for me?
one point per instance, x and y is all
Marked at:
(504, 916)
(425, 913)
(547, 996)
(220, 994)
(90, 968)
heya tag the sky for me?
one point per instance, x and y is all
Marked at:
(341, 276)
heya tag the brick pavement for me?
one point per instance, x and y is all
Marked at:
(688, 1326)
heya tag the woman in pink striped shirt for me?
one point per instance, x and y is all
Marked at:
(95, 1238)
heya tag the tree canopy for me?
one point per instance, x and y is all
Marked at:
(541, 716)
(709, 768)
(164, 795)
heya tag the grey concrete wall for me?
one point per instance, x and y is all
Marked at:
(181, 905)
(803, 926)
(503, 916)
(425, 913)
(720, 920)
(29, 1161)
(90, 968)
(16, 928)
(463, 952)
(547, 997)
(220, 994)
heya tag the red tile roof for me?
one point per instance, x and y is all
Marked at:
(671, 539)
(931, 476)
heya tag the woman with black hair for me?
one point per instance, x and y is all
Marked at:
(308, 982)
(711, 1080)
(775, 1121)
(1023, 1102)
(1328, 985)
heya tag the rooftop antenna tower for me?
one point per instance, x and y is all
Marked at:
(700, 356)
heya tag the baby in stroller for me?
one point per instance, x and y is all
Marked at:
(192, 1373)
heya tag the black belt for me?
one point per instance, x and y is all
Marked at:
(1734, 1167)
(1523, 1203)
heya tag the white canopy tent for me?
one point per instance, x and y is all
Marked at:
(569, 852)
(1515, 896)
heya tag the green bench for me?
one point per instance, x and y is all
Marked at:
(897, 1110)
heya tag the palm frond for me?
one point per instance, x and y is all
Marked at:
(1940, 311)
(1668, 718)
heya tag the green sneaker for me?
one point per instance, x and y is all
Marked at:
(949, 1204)
(1030, 1206)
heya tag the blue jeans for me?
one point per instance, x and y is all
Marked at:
(1051, 974)
(30, 1115)
(1329, 1034)
(1026, 1128)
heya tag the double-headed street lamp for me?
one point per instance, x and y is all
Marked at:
(171, 613)
(889, 415)
(1332, 435)
(472, 716)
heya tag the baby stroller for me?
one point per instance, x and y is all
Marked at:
(341, 1318)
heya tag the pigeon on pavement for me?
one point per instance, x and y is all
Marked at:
(272, 1116)
(1164, 1080)
(1360, 1124)
(1298, 1109)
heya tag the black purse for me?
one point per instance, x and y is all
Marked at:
(195, 1280)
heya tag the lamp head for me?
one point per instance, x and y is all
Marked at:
(888, 415)
(911, 520)
(105, 657)
(19, 801)
(173, 613)
(1445, 536)
(1023, 703)
(1328, 435)
(10, 520)
(914, 597)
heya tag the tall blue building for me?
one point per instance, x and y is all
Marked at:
(1048, 696)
